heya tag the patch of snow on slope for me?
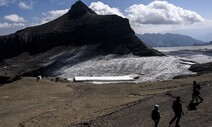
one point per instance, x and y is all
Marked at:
(154, 68)
(82, 62)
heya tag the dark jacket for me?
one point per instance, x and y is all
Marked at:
(177, 107)
(155, 114)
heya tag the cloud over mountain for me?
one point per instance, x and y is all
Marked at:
(156, 13)
(103, 9)
(161, 12)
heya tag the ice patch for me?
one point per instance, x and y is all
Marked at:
(78, 62)
(153, 68)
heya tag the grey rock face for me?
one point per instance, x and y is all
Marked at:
(78, 27)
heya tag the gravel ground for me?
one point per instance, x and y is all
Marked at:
(28, 103)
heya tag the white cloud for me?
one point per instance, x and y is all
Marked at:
(163, 17)
(14, 18)
(6, 2)
(159, 17)
(103, 9)
(58, 13)
(6, 25)
(18, 25)
(157, 12)
(53, 14)
(27, 5)
(163, 28)
(161, 12)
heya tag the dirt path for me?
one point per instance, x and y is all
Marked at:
(139, 115)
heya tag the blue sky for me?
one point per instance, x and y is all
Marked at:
(189, 17)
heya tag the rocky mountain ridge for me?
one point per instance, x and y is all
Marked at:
(78, 27)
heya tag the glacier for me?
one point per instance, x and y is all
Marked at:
(81, 62)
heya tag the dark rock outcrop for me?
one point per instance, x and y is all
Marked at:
(80, 26)
(4, 79)
(7, 79)
(201, 68)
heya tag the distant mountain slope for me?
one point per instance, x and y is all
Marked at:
(168, 40)
(209, 43)
(75, 37)
(80, 26)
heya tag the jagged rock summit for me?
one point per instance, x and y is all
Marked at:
(80, 26)
(79, 9)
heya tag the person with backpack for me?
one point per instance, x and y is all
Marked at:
(177, 108)
(156, 115)
(196, 92)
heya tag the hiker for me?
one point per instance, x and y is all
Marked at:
(177, 108)
(196, 93)
(156, 115)
(39, 77)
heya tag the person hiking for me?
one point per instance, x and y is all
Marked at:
(156, 115)
(195, 96)
(177, 108)
(39, 77)
(196, 93)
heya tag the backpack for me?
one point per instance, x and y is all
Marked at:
(198, 87)
(174, 105)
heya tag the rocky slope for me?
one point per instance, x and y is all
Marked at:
(78, 27)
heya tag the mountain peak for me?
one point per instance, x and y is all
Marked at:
(79, 27)
(79, 3)
(79, 9)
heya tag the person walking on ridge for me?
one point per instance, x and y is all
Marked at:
(196, 93)
(177, 108)
(156, 115)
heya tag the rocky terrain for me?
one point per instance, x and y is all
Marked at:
(78, 27)
(28, 103)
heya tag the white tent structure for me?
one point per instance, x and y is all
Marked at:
(105, 78)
